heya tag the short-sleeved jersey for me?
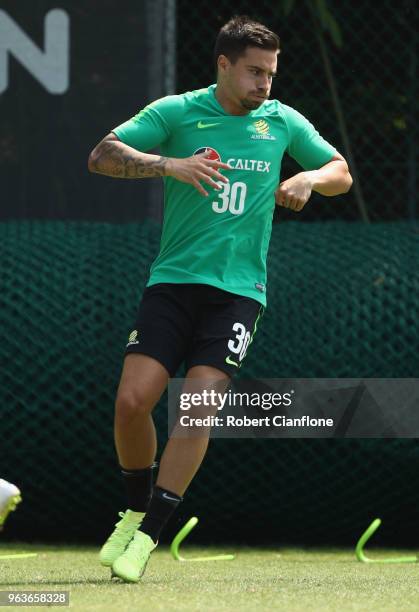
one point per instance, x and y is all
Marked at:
(222, 240)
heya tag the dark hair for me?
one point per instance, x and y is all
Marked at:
(242, 32)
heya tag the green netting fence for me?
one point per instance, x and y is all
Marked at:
(343, 302)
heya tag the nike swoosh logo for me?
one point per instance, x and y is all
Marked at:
(231, 362)
(168, 497)
(201, 125)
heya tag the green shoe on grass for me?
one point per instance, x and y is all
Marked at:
(130, 566)
(120, 537)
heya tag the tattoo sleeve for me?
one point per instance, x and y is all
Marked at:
(113, 158)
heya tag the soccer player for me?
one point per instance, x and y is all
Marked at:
(221, 150)
(9, 498)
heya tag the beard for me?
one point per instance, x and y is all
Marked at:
(250, 104)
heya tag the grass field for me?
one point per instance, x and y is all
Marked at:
(290, 580)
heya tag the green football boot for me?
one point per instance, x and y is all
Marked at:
(120, 537)
(130, 566)
(10, 497)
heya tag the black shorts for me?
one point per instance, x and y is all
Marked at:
(194, 323)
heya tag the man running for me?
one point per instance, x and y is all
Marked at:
(221, 151)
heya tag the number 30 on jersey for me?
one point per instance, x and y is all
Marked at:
(232, 198)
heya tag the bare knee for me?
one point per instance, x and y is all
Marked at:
(131, 405)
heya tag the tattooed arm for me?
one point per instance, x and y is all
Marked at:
(114, 158)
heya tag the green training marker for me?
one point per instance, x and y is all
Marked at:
(18, 556)
(178, 539)
(359, 550)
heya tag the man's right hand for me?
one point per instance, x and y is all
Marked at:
(195, 169)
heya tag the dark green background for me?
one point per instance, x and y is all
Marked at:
(342, 293)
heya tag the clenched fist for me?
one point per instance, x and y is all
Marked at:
(295, 192)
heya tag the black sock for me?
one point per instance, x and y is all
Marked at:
(138, 486)
(162, 505)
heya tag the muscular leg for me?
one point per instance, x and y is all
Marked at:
(143, 382)
(182, 457)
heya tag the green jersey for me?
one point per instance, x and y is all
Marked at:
(222, 240)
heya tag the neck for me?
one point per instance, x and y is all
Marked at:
(230, 107)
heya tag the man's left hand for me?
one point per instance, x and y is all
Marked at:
(295, 192)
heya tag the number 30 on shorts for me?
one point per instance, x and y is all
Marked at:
(241, 341)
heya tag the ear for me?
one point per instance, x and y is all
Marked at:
(223, 63)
